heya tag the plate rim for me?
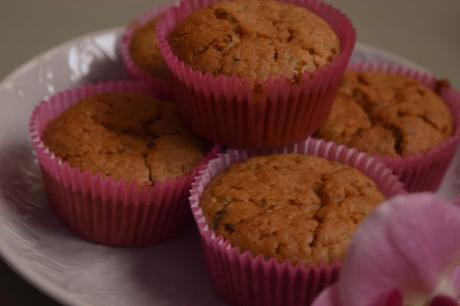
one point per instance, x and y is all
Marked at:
(32, 277)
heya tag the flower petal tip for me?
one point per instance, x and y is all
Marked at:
(329, 297)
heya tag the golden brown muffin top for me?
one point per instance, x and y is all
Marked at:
(125, 136)
(145, 52)
(292, 207)
(389, 115)
(255, 39)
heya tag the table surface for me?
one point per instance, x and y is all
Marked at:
(425, 31)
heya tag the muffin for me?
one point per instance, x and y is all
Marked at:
(127, 136)
(265, 70)
(116, 162)
(387, 115)
(275, 227)
(140, 51)
(144, 50)
(291, 207)
(255, 39)
(406, 118)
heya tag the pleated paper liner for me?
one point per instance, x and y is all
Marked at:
(101, 209)
(234, 111)
(424, 171)
(243, 279)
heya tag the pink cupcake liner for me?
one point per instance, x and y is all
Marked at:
(244, 279)
(425, 171)
(227, 110)
(133, 70)
(102, 209)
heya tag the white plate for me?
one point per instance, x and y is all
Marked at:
(37, 245)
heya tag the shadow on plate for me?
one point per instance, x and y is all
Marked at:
(22, 188)
(94, 60)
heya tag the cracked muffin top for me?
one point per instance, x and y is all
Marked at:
(125, 136)
(387, 115)
(255, 39)
(145, 52)
(292, 207)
